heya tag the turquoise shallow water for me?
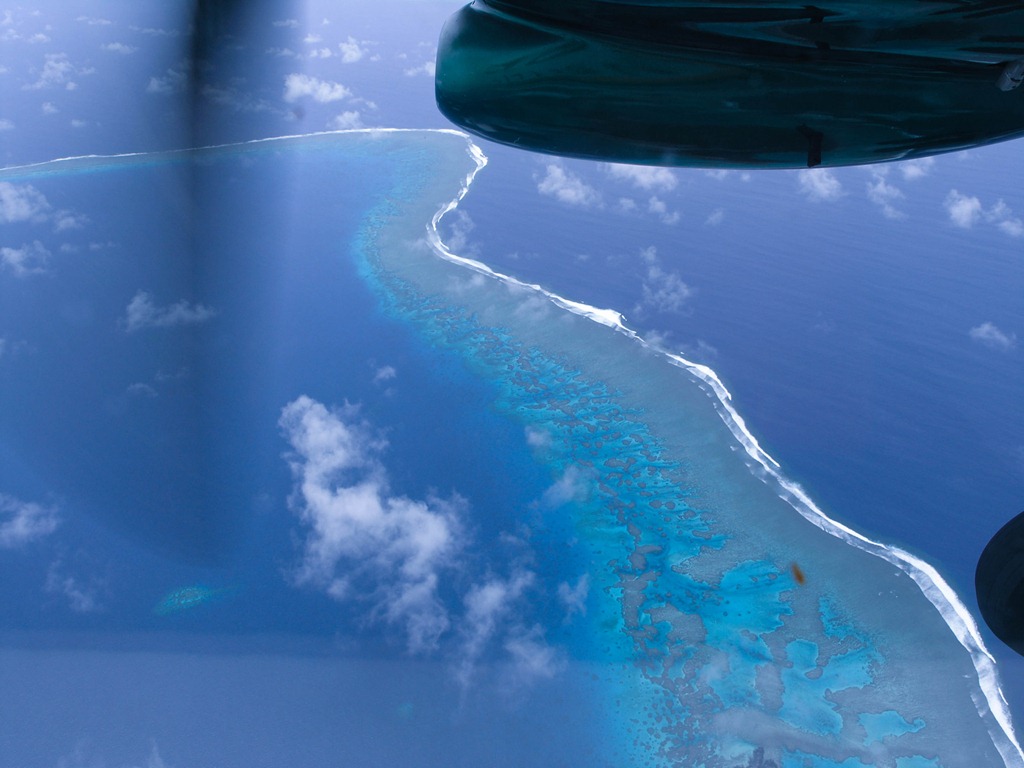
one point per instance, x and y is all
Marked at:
(692, 550)
(682, 588)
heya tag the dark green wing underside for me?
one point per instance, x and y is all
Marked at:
(746, 85)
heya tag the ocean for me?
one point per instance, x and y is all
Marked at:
(390, 449)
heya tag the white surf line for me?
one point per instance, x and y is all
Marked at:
(932, 585)
(16, 169)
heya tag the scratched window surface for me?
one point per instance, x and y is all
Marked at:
(330, 430)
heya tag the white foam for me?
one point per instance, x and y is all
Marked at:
(931, 584)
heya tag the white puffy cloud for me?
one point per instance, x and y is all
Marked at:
(352, 50)
(21, 203)
(297, 86)
(384, 373)
(488, 607)
(567, 187)
(916, 169)
(6, 125)
(290, 23)
(570, 486)
(992, 337)
(143, 313)
(715, 218)
(574, 597)
(644, 177)
(30, 259)
(348, 120)
(966, 210)
(658, 207)
(362, 542)
(23, 522)
(819, 185)
(885, 196)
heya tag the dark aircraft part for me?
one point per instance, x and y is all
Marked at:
(747, 84)
(999, 582)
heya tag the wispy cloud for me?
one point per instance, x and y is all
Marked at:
(142, 313)
(819, 185)
(298, 86)
(989, 335)
(644, 177)
(364, 543)
(567, 188)
(22, 522)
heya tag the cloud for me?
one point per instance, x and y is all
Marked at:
(119, 48)
(30, 259)
(290, 23)
(658, 207)
(487, 606)
(819, 185)
(21, 203)
(143, 313)
(23, 522)
(82, 598)
(49, 108)
(644, 177)
(362, 542)
(966, 210)
(6, 125)
(715, 218)
(346, 121)
(663, 291)
(352, 51)
(574, 597)
(93, 21)
(234, 99)
(570, 486)
(916, 169)
(428, 68)
(57, 71)
(297, 86)
(567, 188)
(884, 195)
(174, 80)
(987, 334)
(384, 373)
